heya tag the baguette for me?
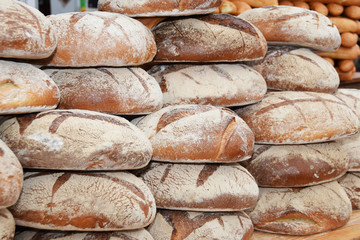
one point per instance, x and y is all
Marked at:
(330, 60)
(335, 9)
(261, 3)
(227, 7)
(352, 12)
(241, 6)
(319, 7)
(344, 24)
(343, 53)
(301, 4)
(349, 39)
(286, 3)
(7, 225)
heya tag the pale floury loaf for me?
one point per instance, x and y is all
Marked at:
(7, 225)
(351, 184)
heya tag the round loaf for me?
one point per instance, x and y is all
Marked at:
(292, 117)
(197, 133)
(200, 187)
(138, 234)
(69, 201)
(181, 225)
(25, 32)
(288, 25)
(76, 140)
(351, 184)
(351, 97)
(7, 225)
(209, 38)
(351, 145)
(297, 165)
(11, 177)
(109, 90)
(297, 69)
(153, 8)
(301, 211)
(216, 84)
(88, 39)
(25, 89)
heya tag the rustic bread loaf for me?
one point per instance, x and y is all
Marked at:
(351, 97)
(297, 69)
(351, 184)
(109, 90)
(288, 25)
(7, 225)
(152, 8)
(25, 89)
(181, 225)
(25, 32)
(301, 211)
(209, 38)
(216, 84)
(102, 201)
(351, 145)
(297, 165)
(88, 39)
(197, 133)
(76, 140)
(292, 117)
(200, 187)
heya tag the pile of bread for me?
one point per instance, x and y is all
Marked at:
(161, 120)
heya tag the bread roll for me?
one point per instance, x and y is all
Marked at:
(287, 3)
(68, 201)
(352, 12)
(301, 211)
(351, 184)
(153, 8)
(25, 89)
(197, 133)
(335, 9)
(200, 187)
(346, 65)
(261, 3)
(344, 24)
(25, 32)
(330, 60)
(297, 165)
(349, 39)
(297, 69)
(88, 39)
(241, 6)
(345, 76)
(292, 117)
(294, 26)
(216, 84)
(7, 225)
(109, 90)
(319, 7)
(301, 4)
(209, 38)
(176, 225)
(76, 140)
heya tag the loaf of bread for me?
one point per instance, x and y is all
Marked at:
(301, 211)
(297, 165)
(197, 133)
(88, 39)
(351, 145)
(288, 25)
(25, 32)
(351, 184)
(209, 38)
(351, 97)
(292, 117)
(182, 225)
(297, 69)
(25, 89)
(81, 201)
(200, 187)
(152, 8)
(76, 140)
(109, 90)
(7, 225)
(139, 234)
(216, 84)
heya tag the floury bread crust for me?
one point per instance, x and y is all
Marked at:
(88, 39)
(197, 133)
(351, 184)
(76, 140)
(200, 187)
(25, 32)
(182, 225)
(25, 89)
(301, 211)
(152, 8)
(216, 84)
(292, 117)
(288, 25)
(109, 90)
(7, 225)
(69, 201)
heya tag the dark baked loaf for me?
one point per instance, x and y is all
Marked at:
(351, 184)
(7, 225)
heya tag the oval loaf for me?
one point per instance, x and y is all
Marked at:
(351, 145)
(351, 184)
(7, 225)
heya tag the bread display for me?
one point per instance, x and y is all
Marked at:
(7, 225)
(107, 90)
(93, 201)
(208, 38)
(215, 84)
(76, 140)
(25, 32)
(182, 225)
(197, 133)
(200, 187)
(351, 182)
(291, 117)
(297, 69)
(153, 8)
(25, 89)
